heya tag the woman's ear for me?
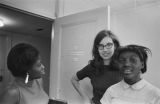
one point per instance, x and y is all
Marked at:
(115, 47)
(142, 65)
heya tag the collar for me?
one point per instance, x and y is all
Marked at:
(137, 86)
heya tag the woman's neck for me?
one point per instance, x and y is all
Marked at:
(22, 81)
(131, 81)
(106, 61)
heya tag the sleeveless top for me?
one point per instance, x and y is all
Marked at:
(31, 94)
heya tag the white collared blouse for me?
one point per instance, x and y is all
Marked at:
(141, 92)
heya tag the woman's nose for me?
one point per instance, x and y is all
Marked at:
(42, 66)
(105, 49)
(127, 63)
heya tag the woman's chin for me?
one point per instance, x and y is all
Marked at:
(106, 57)
(128, 77)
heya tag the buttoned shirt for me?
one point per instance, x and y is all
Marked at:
(141, 92)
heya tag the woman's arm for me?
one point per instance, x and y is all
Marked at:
(76, 85)
(9, 96)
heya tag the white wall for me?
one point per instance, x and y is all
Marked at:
(141, 26)
(68, 7)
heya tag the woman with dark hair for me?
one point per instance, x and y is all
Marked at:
(101, 69)
(133, 89)
(25, 65)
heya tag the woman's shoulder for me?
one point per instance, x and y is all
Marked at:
(152, 87)
(90, 66)
(12, 90)
(86, 71)
(115, 87)
(11, 94)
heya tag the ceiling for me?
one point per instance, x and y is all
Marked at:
(26, 23)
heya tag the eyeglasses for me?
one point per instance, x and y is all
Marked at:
(108, 46)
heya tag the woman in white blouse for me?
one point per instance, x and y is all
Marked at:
(133, 89)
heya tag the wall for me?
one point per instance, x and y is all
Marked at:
(68, 7)
(140, 25)
(3, 54)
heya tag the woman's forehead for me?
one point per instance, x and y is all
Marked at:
(128, 53)
(106, 40)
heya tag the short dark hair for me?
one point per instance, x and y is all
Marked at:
(141, 51)
(21, 59)
(97, 60)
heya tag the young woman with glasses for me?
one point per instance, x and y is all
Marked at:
(101, 69)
